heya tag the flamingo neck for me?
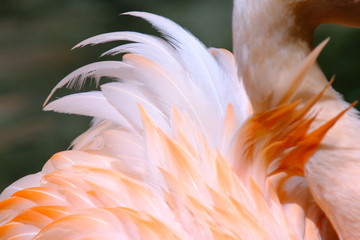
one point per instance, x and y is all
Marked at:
(270, 41)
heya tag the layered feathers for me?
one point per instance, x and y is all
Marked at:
(174, 152)
(278, 37)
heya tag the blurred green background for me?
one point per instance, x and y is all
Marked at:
(35, 41)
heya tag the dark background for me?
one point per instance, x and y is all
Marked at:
(35, 41)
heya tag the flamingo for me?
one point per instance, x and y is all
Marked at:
(331, 172)
(188, 142)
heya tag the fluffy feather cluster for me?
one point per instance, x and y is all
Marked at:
(173, 152)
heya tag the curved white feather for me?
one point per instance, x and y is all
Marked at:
(89, 104)
(198, 82)
(199, 63)
(127, 96)
(165, 52)
(95, 70)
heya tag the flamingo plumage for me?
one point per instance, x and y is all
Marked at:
(331, 171)
(193, 143)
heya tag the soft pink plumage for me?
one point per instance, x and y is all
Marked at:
(178, 151)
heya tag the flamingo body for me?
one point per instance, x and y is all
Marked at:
(181, 147)
(272, 51)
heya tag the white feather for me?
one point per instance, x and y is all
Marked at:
(92, 104)
(201, 67)
(95, 70)
(234, 91)
(158, 74)
(126, 97)
(164, 51)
